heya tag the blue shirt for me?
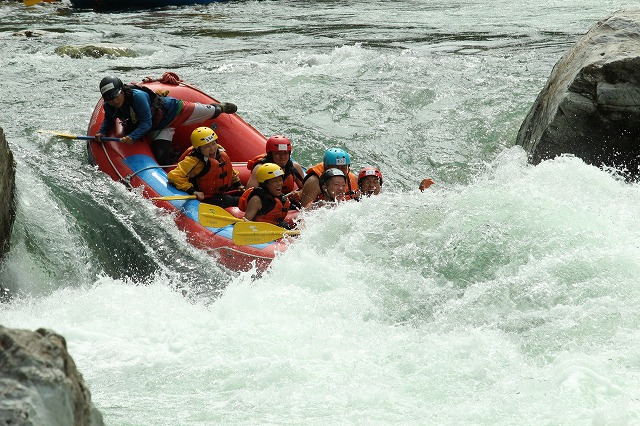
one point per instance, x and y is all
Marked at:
(138, 110)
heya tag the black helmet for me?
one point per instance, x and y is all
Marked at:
(329, 173)
(110, 87)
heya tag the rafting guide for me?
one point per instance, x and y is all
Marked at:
(142, 111)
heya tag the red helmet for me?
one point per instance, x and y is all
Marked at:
(370, 171)
(278, 143)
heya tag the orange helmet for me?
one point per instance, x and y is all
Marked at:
(370, 171)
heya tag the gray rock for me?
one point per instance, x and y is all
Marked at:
(590, 106)
(39, 382)
(7, 190)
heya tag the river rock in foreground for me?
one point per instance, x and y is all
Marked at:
(590, 106)
(39, 382)
(7, 190)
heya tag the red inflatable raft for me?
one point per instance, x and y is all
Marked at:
(135, 166)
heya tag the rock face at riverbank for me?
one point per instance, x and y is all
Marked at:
(39, 382)
(7, 190)
(590, 106)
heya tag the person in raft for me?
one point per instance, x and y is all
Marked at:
(333, 187)
(205, 170)
(278, 151)
(142, 111)
(370, 181)
(334, 158)
(266, 202)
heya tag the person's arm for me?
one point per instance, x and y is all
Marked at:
(142, 106)
(236, 183)
(179, 177)
(253, 179)
(310, 191)
(297, 179)
(109, 119)
(295, 195)
(253, 207)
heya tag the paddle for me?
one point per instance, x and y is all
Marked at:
(215, 216)
(83, 137)
(175, 197)
(245, 233)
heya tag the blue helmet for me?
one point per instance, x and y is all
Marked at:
(336, 157)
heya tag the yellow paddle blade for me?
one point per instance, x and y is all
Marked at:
(215, 216)
(32, 2)
(245, 233)
(70, 136)
(51, 132)
(175, 197)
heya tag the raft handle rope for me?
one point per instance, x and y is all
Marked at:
(231, 249)
(106, 154)
(127, 179)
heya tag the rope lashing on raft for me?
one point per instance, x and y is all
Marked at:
(127, 179)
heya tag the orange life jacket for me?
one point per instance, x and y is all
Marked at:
(352, 181)
(290, 173)
(216, 174)
(274, 209)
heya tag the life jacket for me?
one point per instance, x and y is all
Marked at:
(352, 182)
(274, 209)
(130, 121)
(216, 175)
(290, 172)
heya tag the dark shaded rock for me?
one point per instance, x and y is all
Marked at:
(590, 106)
(7, 190)
(39, 382)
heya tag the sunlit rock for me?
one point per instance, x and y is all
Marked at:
(39, 382)
(7, 189)
(95, 51)
(590, 106)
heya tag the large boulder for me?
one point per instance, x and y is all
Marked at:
(39, 382)
(7, 189)
(590, 106)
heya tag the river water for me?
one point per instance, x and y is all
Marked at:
(505, 294)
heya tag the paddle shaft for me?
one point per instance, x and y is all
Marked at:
(83, 137)
(89, 138)
(175, 197)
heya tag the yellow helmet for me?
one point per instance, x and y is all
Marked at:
(268, 171)
(202, 136)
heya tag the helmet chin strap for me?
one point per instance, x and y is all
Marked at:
(326, 194)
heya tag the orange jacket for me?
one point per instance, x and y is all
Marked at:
(289, 183)
(211, 177)
(352, 182)
(274, 209)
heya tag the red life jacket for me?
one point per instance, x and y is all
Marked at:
(216, 174)
(274, 209)
(289, 183)
(352, 181)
